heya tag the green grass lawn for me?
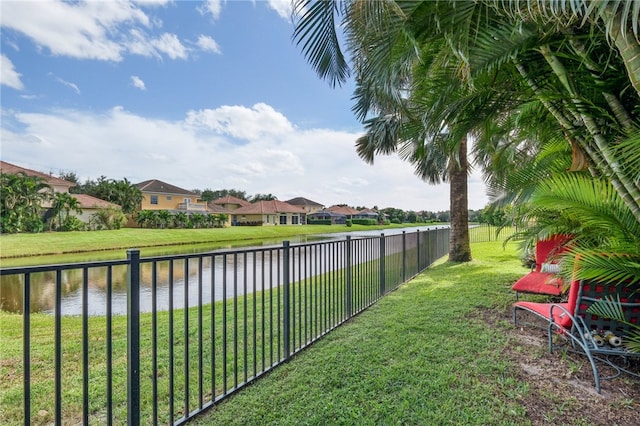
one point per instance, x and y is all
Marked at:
(421, 355)
(48, 243)
(439, 350)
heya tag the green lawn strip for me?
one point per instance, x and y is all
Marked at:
(406, 341)
(419, 356)
(46, 243)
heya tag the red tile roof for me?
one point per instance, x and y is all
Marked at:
(269, 207)
(229, 199)
(12, 169)
(346, 210)
(89, 202)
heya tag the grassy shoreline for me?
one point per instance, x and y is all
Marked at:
(54, 243)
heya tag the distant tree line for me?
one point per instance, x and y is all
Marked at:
(208, 195)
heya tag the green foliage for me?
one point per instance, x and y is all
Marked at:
(72, 223)
(21, 199)
(349, 223)
(608, 307)
(319, 221)
(120, 192)
(107, 218)
(63, 204)
(221, 193)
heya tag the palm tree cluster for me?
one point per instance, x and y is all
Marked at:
(546, 91)
(120, 192)
(164, 219)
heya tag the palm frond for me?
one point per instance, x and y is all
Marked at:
(611, 308)
(315, 30)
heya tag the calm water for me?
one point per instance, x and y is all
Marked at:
(215, 271)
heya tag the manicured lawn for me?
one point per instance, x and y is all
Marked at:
(72, 242)
(439, 350)
(421, 355)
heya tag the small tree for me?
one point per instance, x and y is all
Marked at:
(63, 204)
(108, 218)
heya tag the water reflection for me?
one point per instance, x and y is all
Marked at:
(206, 277)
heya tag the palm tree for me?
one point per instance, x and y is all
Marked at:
(146, 218)
(387, 49)
(180, 220)
(197, 220)
(62, 206)
(126, 195)
(164, 219)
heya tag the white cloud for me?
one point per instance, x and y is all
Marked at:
(241, 122)
(282, 8)
(8, 75)
(170, 45)
(208, 44)
(318, 164)
(138, 83)
(211, 7)
(101, 30)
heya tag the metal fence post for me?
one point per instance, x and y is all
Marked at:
(348, 278)
(286, 314)
(404, 256)
(383, 285)
(133, 338)
(418, 251)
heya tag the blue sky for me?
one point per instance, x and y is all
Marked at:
(198, 94)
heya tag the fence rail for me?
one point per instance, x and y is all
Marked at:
(225, 319)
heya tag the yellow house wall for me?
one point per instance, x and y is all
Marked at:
(163, 202)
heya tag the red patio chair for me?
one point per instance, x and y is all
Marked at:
(559, 313)
(543, 279)
(573, 321)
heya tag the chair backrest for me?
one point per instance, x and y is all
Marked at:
(591, 291)
(549, 247)
(572, 301)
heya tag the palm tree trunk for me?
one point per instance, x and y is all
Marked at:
(619, 111)
(459, 248)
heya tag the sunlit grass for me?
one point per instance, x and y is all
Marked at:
(72, 242)
(421, 355)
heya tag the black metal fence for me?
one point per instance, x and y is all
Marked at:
(211, 324)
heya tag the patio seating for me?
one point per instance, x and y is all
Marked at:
(543, 278)
(600, 339)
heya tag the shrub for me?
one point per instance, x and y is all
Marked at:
(318, 221)
(365, 221)
(107, 218)
(72, 223)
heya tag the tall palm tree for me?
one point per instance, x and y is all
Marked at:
(386, 49)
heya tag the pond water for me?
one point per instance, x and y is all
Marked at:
(215, 269)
